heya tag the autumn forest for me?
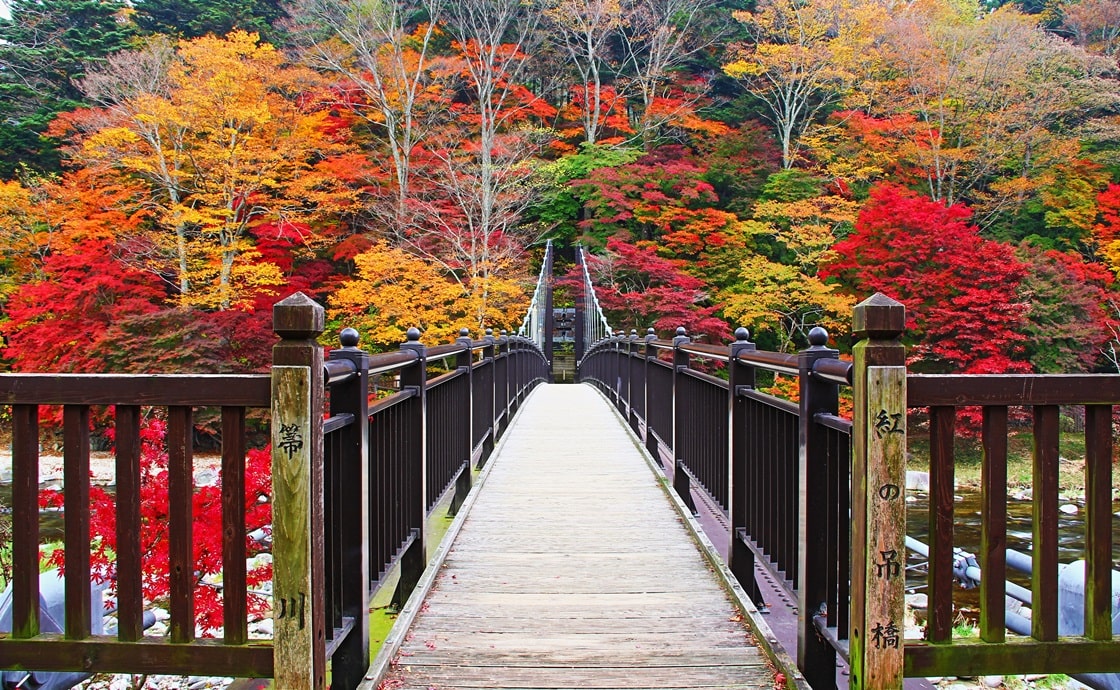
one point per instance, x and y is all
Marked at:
(169, 169)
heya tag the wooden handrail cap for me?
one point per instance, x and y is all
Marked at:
(878, 317)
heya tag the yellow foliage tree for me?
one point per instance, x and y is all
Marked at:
(395, 290)
(989, 95)
(788, 298)
(225, 142)
(778, 298)
(806, 56)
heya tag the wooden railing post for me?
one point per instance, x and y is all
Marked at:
(501, 385)
(681, 483)
(350, 661)
(650, 354)
(741, 377)
(414, 378)
(633, 386)
(878, 495)
(514, 375)
(463, 363)
(299, 636)
(614, 378)
(490, 352)
(815, 656)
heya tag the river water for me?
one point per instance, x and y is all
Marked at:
(966, 534)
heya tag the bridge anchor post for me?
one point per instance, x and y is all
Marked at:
(878, 495)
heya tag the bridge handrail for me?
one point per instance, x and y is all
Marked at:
(833, 371)
(1087, 646)
(538, 323)
(349, 498)
(27, 645)
(816, 498)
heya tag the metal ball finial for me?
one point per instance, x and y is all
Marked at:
(650, 331)
(489, 331)
(742, 334)
(464, 332)
(681, 331)
(349, 337)
(413, 334)
(818, 337)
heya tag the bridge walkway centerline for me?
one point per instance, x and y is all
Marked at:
(572, 569)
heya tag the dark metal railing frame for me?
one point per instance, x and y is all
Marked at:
(849, 480)
(611, 365)
(328, 571)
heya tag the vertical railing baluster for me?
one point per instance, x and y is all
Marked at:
(1098, 522)
(351, 660)
(180, 491)
(25, 521)
(942, 422)
(993, 525)
(1044, 543)
(75, 477)
(815, 656)
(235, 620)
(130, 596)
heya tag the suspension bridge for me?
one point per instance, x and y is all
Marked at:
(625, 532)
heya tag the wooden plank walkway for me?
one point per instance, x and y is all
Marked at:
(573, 570)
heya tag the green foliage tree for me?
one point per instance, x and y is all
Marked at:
(1068, 313)
(196, 18)
(45, 49)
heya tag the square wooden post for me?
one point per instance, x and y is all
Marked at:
(878, 495)
(649, 353)
(681, 483)
(464, 431)
(299, 638)
(740, 380)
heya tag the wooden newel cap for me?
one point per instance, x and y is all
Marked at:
(879, 318)
(298, 317)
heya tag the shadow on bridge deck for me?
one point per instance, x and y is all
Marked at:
(572, 569)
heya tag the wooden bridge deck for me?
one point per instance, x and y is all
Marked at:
(573, 570)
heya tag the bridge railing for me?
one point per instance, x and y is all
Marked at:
(741, 448)
(356, 468)
(76, 647)
(818, 500)
(1054, 640)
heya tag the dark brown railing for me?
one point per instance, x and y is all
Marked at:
(740, 447)
(1089, 647)
(818, 500)
(355, 474)
(77, 649)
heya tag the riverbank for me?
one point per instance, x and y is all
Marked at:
(103, 469)
(969, 455)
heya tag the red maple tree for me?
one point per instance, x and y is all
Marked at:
(961, 291)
